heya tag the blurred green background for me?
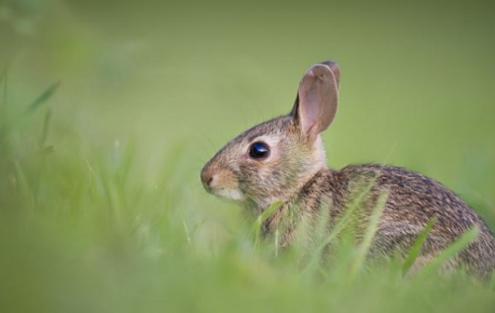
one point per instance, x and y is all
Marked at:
(100, 199)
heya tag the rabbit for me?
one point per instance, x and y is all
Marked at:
(283, 160)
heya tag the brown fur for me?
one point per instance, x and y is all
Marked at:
(412, 202)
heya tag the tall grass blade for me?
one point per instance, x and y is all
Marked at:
(343, 222)
(42, 99)
(45, 129)
(365, 245)
(24, 185)
(186, 231)
(262, 218)
(415, 250)
(453, 250)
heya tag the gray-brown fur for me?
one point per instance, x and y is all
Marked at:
(295, 173)
(413, 200)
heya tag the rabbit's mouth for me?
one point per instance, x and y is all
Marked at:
(230, 194)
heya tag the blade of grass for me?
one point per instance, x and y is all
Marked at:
(415, 250)
(186, 231)
(365, 245)
(19, 121)
(451, 251)
(265, 215)
(45, 129)
(42, 99)
(24, 186)
(340, 226)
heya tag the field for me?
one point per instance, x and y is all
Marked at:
(109, 110)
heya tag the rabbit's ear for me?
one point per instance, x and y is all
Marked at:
(317, 98)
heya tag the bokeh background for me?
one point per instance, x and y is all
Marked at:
(102, 208)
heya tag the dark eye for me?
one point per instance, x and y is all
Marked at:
(259, 150)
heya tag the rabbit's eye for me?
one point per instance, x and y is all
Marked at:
(259, 150)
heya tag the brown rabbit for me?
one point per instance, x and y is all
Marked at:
(283, 160)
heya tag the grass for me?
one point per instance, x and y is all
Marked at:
(101, 208)
(84, 235)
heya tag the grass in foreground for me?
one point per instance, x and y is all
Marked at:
(82, 231)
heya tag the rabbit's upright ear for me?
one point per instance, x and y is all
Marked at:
(317, 98)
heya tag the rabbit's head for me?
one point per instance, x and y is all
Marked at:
(273, 160)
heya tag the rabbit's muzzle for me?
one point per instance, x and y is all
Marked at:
(221, 182)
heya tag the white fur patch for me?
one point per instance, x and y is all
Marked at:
(319, 151)
(232, 194)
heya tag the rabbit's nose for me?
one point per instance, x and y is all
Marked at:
(206, 178)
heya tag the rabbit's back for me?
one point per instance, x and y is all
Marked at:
(412, 201)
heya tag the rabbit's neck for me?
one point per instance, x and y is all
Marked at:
(305, 204)
(313, 167)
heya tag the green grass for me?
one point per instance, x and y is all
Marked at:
(108, 114)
